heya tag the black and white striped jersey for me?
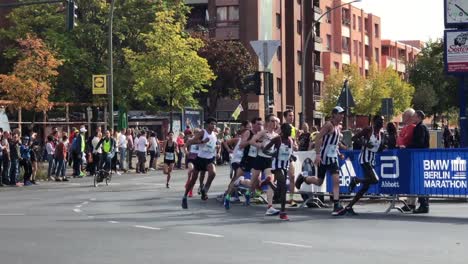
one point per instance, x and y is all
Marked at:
(283, 154)
(367, 154)
(329, 149)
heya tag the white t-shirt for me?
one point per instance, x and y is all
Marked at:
(122, 141)
(94, 142)
(154, 146)
(141, 144)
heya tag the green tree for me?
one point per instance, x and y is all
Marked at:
(368, 92)
(170, 68)
(33, 76)
(84, 51)
(428, 69)
(230, 62)
(425, 98)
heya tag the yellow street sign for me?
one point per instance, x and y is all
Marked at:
(99, 84)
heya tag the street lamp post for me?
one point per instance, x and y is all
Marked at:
(111, 68)
(304, 53)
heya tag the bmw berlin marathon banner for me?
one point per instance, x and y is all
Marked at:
(407, 171)
(456, 52)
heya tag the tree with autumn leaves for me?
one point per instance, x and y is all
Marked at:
(30, 83)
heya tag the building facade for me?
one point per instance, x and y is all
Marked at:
(398, 54)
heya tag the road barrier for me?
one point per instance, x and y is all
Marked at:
(438, 173)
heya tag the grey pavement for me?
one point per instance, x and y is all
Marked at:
(137, 220)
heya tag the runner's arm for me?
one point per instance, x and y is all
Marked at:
(245, 139)
(324, 131)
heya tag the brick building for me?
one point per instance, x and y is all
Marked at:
(398, 54)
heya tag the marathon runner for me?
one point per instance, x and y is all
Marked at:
(170, 151)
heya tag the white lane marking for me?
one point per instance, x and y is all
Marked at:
(113, 222)
(77, 210)
(142, 178)
(78, 206)
(204, 234)
(286, 244)
(147, 227)
(90, 217)
(92, 199)
(85, 203)
(12, 214)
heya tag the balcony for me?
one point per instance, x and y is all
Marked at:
(318, 73)
(317, 13)
(317, 98)
(318, 44)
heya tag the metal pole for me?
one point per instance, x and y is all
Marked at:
(265, 79)
(463, 120)
(111, 68)
(347, 105)
(305, 46)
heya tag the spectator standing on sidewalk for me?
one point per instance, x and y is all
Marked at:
(141, 148)
(130, 148)
(61, 158)
(456, 138)
(391, 136)
(420, 141)
(448, 137)
(180, 147)
(226, 150)
(6, 157)
(122, 145)
(14, 156)
(154, 151)
(50, 149)
(403, 141)
(25, 161)
(34, 145)
(78, 149)
(97, 153)
(1, 159)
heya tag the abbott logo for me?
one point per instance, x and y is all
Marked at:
(390, 168)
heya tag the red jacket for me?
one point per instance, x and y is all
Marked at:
(406, 135)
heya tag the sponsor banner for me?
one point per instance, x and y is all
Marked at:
(456, 51)
(192, 118)
(406, 171)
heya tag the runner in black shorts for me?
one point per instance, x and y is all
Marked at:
(192, 150)
(204, 160)
(169, 152)
(326, 149)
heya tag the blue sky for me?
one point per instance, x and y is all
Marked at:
(407, 19)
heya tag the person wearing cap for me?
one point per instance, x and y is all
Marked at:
(420, 141)
(327, 153)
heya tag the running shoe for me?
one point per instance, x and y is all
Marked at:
(299, 181)
(190, 194)
(184, 203)
(28, 183)
(350, 211)
(272, 211)
(167, 185)
(352, 184)
(340, 212)
(200, 188)
(337, 208)
(284, 217)
(204, 196)
(247, 198)
(227, 201)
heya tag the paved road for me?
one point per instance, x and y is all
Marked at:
(137, 220)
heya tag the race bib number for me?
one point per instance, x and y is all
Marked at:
(253, 152)
(332, 151)
(284, 153)
(170, 156)
(210, 146)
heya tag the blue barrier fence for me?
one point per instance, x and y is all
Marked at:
(432, 172)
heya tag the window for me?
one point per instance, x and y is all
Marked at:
(328, 16)
(377, 55)
(299, 88)
(299, 27)
(234, 13)
(355, 44)
(221, 13)
(329, 42)
(345, 44)
(376, 30)
(278, 20)
(366, 29)
(367, 52)
(336, 64)
(299, 57)
(354, 22)
(279, 53)
(345, 17)
(359, 24)
(360, 49)
(279, 85)
(227, 13)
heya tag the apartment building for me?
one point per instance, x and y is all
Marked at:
(398, 54)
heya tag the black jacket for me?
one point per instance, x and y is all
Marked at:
(420, 137)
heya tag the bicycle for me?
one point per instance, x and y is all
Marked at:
(103, 175)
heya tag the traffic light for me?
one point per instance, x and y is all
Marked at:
(252, 83)
(72, 17)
